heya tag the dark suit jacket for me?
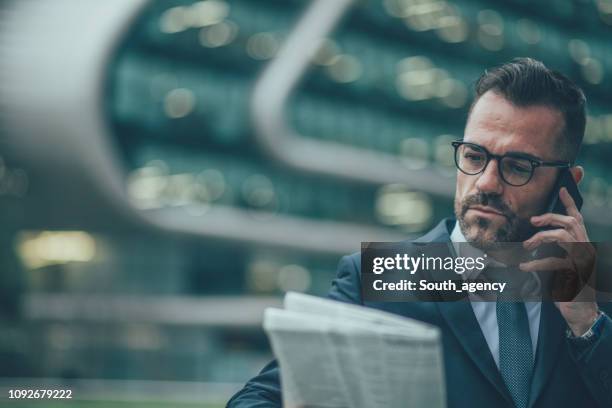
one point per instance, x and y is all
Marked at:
(565, 375)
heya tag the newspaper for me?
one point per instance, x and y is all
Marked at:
(334, 354)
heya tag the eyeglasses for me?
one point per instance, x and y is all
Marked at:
(515, 169)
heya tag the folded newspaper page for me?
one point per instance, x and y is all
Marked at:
(333, 354)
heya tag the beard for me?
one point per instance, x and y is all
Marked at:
(480, 231)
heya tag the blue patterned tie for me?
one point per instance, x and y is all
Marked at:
(515, 350)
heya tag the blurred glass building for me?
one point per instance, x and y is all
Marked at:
(170, 168)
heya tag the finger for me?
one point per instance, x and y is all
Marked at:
(560, 236)
(546, 264)
(553, 220)
(573, 225)
(569, 203)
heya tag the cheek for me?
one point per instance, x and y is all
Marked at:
(528, 203)
(464, 184)
(535, 196)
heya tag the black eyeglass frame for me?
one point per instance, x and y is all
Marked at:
(535, 163)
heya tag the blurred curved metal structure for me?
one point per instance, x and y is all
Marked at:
(53, 67)
(54, 57)
(284, 144)
(272, 94)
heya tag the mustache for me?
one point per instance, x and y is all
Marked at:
(492, 200)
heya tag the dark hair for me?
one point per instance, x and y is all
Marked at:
(528, 82)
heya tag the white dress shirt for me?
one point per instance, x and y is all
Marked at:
(485, 312)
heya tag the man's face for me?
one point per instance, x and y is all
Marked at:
(488, 210)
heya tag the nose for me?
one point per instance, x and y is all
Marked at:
(489, 181)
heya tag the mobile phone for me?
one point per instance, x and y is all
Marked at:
(554, 282)
(555, 205)
(565, 179)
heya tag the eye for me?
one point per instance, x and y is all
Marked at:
(518, 167)
(474, 157)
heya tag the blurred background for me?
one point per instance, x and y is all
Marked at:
(170, 168)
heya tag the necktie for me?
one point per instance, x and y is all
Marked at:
(515, 350)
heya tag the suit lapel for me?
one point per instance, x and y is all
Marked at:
(550, 337)
(462, 322)
(460, 317)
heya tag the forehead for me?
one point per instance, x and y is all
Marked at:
(502, 127)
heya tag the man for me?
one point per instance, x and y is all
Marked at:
(525, 122)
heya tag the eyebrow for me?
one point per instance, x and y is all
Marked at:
(514, 153)
(523, 154)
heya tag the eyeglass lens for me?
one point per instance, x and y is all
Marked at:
(472, 160)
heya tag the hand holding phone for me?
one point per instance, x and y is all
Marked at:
(556, 206)
(566, 180)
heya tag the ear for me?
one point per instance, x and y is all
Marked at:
(577, 173)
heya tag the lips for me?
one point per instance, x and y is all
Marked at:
(487, 210)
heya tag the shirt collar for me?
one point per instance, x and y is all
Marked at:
(464, 249)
